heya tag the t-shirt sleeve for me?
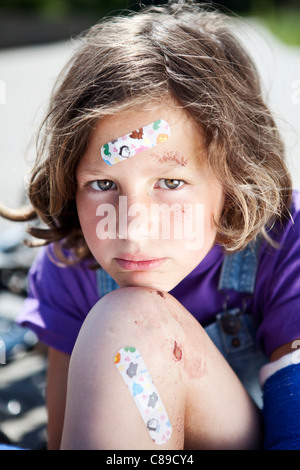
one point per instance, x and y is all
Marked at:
(279, 288)
(59, 298)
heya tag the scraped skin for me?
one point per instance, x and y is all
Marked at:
(174, 156)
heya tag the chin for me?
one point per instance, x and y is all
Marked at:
(140, 279)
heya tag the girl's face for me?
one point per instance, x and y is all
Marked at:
(148, 219)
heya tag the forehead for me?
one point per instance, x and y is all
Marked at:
(123, 123)
(179, 141)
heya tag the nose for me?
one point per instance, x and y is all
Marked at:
(133, 218)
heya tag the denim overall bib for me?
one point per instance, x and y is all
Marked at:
(233, 331)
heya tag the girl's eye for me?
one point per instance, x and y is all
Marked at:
(169, 184)
(102, 185)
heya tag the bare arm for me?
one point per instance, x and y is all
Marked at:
(284, 349)
(56, 395)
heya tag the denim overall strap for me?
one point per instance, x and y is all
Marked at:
(238, 270)
(105, 282)
(234, 331)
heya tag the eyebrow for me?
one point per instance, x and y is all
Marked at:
(173, 157)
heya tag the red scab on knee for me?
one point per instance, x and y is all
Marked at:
(161, 294)
(177, 352)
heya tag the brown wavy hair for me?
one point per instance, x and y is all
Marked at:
(183, 52)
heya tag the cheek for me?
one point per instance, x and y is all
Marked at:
(213, 203)
(87, 216)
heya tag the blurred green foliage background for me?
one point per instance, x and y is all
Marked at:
(39, 21)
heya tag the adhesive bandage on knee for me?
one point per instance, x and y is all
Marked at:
(140, 385)
(135, 142)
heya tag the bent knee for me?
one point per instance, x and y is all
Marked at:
(150, 320)
(134, 313)
(140, 305)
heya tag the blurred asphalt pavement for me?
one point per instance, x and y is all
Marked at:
(26, 78)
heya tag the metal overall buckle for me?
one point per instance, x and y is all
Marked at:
(231, 322)
(233, 326)
(230, 319)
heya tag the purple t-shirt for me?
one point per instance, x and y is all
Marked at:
(61, 297)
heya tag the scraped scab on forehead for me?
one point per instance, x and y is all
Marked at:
(135, 142)
(170, 157)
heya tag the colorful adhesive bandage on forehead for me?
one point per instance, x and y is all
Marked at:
(138, 380)
(136, 142)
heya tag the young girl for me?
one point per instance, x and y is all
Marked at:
(171, 272)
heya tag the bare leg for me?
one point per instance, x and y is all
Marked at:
(207, 406)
